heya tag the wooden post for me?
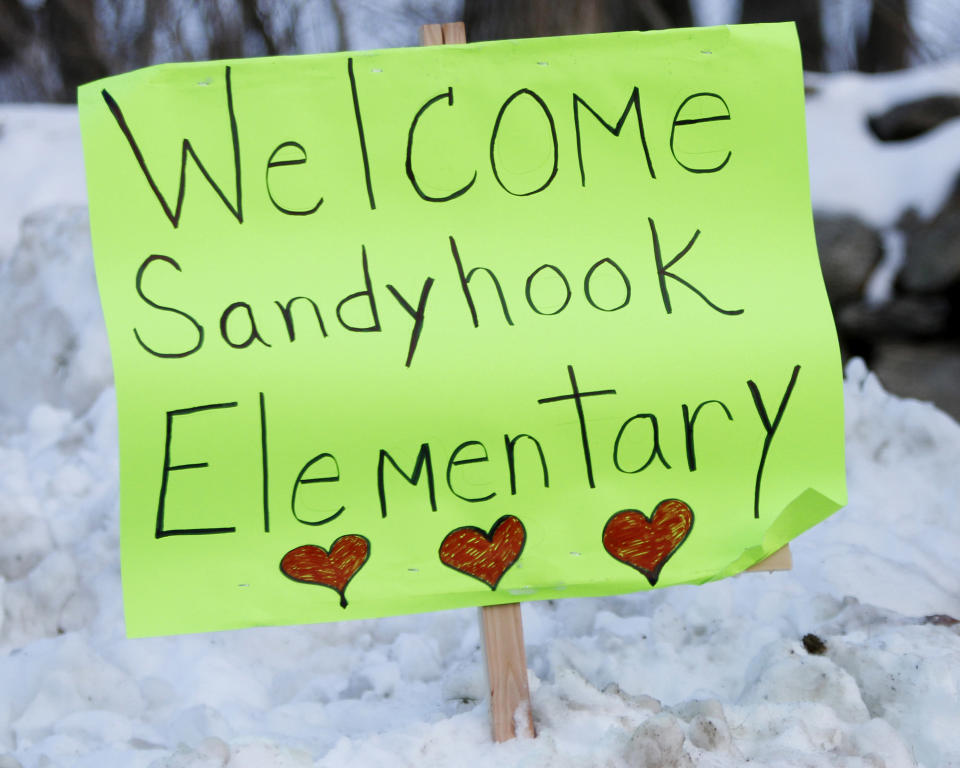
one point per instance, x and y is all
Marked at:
(510, 711)
(443, 34)
(431, 34)
(781, 560)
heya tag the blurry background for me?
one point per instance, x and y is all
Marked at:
(883, 85)
(49, 47)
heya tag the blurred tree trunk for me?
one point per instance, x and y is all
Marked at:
(139, 50)
(16, 29)
(254, 21)
(806, 14)
(504, 19)
(71, 29)
(889, 39)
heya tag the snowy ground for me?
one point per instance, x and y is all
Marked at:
(711, 676)
(852, 172)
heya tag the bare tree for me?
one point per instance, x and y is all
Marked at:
(500, 19)
(806, 15)
(890, 39)
(49, 48)
(73, 37)
(16, 29)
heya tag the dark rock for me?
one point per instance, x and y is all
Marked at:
(849, 250)
(907, 121)
(925, 372)
(904, 317)
(814, 645)
(941, 620)
(932, 260)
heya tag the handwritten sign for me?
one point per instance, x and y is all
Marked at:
(419, 329)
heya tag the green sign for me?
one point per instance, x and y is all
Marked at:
(417, 329)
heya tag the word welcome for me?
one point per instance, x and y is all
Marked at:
(292, 153)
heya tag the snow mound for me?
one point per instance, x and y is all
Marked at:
(849, 660)
(53, 343)
(853, 172)
(715, 675)
(42, 163)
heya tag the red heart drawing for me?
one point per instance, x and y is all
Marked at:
(647, 544)
(485, 556)
(311, 564)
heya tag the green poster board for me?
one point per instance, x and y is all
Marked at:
(425, 328)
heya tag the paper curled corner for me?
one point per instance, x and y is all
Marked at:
(805, 511)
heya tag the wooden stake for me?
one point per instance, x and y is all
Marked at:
(502, 625)
(443, 34)
(454, 32)
(506, 672)
(431, 34)
(781, 560)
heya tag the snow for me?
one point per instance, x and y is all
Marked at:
(709, 675)
(879, 287)
(852, 171)
(713, 676)
(42, 163)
